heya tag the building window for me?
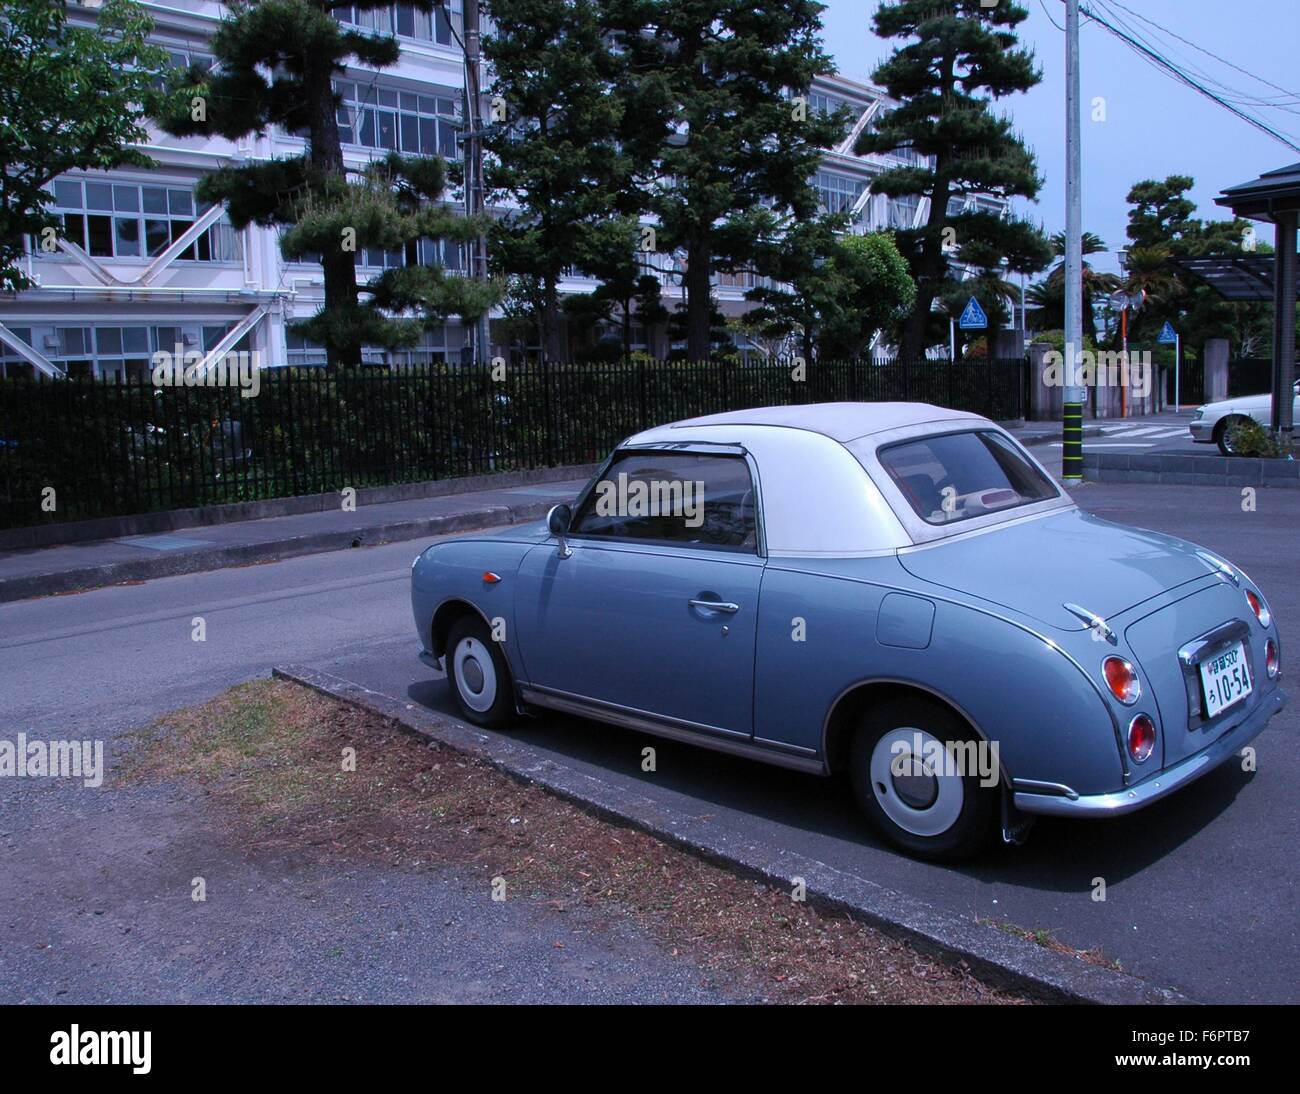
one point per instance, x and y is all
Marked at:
(12, 366)
(447, 253)
(127, 220)
(902, 211)
(181, 60)
(375, 117)
(440, 344)
(837, 193)
(407, 21)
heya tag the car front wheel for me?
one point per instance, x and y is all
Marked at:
(911, 779)
(479, 674)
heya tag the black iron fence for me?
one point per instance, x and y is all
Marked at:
(78, 449)
(1246, 376)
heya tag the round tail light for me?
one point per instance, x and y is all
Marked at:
(1141, 738)
(1258, 606)
(1122, 680)
(1271, 661)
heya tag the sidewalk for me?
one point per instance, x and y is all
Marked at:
(96, 563)
(75, 567)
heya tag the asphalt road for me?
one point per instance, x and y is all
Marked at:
(1200, 889)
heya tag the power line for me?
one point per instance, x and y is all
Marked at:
(1232, 94)
(1158, 60)
(1294, 96)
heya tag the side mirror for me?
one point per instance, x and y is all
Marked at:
(558, 521)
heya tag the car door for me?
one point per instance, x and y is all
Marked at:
(655, 608)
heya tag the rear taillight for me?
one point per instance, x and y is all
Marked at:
(1141, 738)
(1271, 660)
(1122, 680)
(1258, 606)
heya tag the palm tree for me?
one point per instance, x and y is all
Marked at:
(1049, 294)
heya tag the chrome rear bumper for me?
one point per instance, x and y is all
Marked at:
(1160, 784)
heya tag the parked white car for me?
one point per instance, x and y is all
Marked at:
(1210, 423)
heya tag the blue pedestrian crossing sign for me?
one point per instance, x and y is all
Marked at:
(973, 318)
(1167, 335)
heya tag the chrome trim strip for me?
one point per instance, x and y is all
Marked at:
(1033, 786)
(1162, 783)
(1235, 630)
(735, 744)
(1093, 621)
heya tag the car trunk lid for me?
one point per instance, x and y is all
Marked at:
(1036, 567)
(1178, 697)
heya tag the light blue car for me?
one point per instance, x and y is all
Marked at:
(892, 589)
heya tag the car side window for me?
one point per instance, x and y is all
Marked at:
(683, 498)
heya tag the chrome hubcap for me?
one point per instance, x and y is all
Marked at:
(915, 783)
(475, 674)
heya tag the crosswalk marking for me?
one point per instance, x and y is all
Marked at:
(1090, 445)
(1155, 432)
(1140, 432)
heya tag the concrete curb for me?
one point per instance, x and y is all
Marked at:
(249, 554)
(995, 955)
(1189, 469)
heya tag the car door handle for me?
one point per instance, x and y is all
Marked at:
(716, 605)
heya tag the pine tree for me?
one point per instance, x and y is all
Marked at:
(963, 56)
(1161, 226)
(276, 62)
(552, 140)
(719, 89)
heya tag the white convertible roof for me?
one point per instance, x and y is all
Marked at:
(823, 490)
(839, 421)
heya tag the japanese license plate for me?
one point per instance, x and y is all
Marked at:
(1225, 679)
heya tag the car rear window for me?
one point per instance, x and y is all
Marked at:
(957, 476)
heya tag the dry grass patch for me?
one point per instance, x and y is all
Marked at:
(270, 755)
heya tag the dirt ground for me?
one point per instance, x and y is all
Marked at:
(291, 777)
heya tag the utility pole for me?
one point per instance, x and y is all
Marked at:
(1072, 405)
(475, 193)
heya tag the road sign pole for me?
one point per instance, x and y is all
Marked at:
(1178, 362)
(952, 340)
(1072, 403)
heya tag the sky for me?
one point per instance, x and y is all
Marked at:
(1154, 126)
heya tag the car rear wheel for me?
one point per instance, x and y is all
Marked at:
(479, 674)
(911, 783)
(1223, 434)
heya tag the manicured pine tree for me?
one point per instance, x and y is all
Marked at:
(724, 131)
(275, 65)
(959, 58)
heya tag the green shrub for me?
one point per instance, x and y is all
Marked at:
(1248, 438)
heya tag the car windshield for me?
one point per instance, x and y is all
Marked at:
(957, 476)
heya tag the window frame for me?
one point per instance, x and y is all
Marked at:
(143, 219)
(687, 448)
